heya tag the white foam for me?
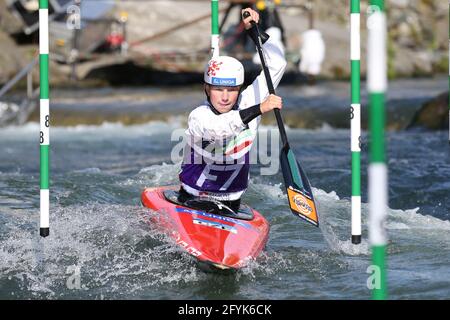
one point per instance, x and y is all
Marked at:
(335, 219)
(110, 244)
(332, 195)
(159, 175)
(270, 191)
(335, 215)
(415, 220)
(93, 132)
(88, 170)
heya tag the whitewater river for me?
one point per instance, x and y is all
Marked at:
(101, 247)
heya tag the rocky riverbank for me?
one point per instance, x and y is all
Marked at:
(311, 107)
(418, 34)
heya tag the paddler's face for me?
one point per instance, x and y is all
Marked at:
(222, 98)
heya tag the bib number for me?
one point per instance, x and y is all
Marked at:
(234, 169)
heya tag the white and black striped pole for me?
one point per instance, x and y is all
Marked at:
(44, 118)
(215, 28)
(355, 118)
(378, 172)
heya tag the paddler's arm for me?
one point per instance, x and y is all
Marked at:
(210, 126)
(269, 104)
(276, 62)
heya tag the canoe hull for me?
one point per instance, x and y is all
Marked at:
(219, 241)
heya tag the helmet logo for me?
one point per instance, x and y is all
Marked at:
(224, 81)
(213, 67)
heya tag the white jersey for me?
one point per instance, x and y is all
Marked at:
(230, 160)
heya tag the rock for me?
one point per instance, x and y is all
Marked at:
(433, 115)
(8, 22)
(418, 34)
(10, 58)
(423, 62)
(401, 4)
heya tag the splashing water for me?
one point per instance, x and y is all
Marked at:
(102, 246)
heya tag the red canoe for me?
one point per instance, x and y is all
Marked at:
(218, 239)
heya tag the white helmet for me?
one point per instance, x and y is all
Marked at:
(224, 71)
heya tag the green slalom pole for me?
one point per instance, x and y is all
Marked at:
(44, 118)
(378, 173)
(215, 28)
(449, 72)
(355, 118)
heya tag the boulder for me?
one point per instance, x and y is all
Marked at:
(433, 114)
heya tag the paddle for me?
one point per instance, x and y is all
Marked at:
(300, 196)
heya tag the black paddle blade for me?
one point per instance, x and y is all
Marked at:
(300, 196)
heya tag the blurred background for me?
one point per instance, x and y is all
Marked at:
(154, 43)
(124, 75)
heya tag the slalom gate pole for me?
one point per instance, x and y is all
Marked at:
(378, 173)
(355, 118)
(44, 139)
(214, 28)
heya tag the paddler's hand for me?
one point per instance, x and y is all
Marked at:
(271, 103)
(254, 16)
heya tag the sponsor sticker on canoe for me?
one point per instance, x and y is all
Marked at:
(303, 205)
(213, 224)
(210, 215)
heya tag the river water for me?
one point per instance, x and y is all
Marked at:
(101, 247)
